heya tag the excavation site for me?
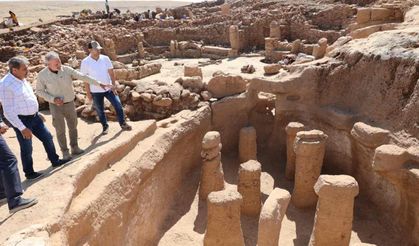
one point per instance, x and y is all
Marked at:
(254, 122)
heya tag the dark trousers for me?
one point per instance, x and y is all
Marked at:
(10, 186)
(36, 125)
(98, 100)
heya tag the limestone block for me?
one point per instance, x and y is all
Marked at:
(272, 69)
(192, 71)
(226, 85)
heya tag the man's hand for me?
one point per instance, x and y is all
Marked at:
(103, 86)
(114, 86)
(58, 101)
(42, 118)
(27, 134)
(3, 128)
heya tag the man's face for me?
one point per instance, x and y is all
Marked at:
(94, 52)
(21, 72)
(54, 64)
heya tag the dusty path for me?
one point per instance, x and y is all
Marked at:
(52, 205)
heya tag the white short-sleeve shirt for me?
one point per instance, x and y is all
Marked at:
(97, 69)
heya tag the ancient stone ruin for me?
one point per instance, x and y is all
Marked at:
(254, 123)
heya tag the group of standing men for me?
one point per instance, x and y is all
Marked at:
(55, 85)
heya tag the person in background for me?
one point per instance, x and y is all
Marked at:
(20, 107)
(14, 18)
(100, 68)
(55, 85)
(10, 186)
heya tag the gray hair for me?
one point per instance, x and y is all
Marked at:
(51, 56)
(16, 62)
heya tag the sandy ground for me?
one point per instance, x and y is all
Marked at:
(186, 224)
(28, 12)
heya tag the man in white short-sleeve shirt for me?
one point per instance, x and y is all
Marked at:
(100, 68)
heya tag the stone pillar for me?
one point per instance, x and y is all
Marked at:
(309, 147)
(319, 50)
(271, 216)
(109, 49)
(234, 40)
(212, 176)
(275, 30)
(334, 212)
(223, 225)
(291, 129)
(247, 144)
(173, 48)
(249, 187)
(225, 9)
(141, 51)
(270, 47)
(296, 45)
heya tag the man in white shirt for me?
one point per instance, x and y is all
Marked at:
(20, 107)
(100, 68)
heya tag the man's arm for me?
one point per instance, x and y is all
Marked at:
(6, 98)
(86, 78)
(111, 74)
(41, 89)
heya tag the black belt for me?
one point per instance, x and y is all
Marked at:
(28, 116)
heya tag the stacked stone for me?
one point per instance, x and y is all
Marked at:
(223, 224)
(249, 187)
(334, 212)
(212, 176)
(309, 148)
(291, 130)
(271, 216)
(247, 144)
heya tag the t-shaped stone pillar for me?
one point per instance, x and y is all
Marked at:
(247, 144)
(271, 216)
(275, 30)
(309, 148)
(212, 176)
(249, 187)
(334, 213)
(291, 129)
(223, 225)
